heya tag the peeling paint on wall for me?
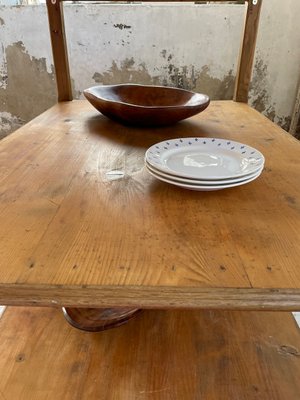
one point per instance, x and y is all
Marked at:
(9, 123)
(260, 94)
(27, 87)
(217, 88)
(183, 77)
(126, 72)
(2, 21)
(202, 81)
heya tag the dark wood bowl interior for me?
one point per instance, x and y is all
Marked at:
(147, 96)
(144, 104)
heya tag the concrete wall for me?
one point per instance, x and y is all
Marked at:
(188, 46)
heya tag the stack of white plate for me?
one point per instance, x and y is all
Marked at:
(204, 163)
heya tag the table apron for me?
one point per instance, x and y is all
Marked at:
(160, 297)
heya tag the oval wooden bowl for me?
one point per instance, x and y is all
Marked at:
(145, 105)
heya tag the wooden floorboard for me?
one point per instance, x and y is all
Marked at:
(161, 355)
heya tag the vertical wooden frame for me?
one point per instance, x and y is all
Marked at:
(296, 115)
(247, 51)
(59, 49)
(245, 63)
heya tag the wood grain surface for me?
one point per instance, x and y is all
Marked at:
(161, 355)
(68, 229)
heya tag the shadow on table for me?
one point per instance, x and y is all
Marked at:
(146, 137)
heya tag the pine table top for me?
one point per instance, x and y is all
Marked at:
(71, 235)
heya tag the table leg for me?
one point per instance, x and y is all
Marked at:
(98, 319)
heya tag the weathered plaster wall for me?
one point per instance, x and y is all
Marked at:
(276, 74)
(27, 83)
(189, 46)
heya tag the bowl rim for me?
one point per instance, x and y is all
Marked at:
(206, 100)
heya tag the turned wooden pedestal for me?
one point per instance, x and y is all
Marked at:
(98, 319)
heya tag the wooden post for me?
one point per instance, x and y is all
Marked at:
(296, 115)
(59, 49)
(247, 52)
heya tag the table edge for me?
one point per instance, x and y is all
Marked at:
(158, 297)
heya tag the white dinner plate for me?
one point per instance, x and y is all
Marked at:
(204, 158)
(194, 181)
(202, 188)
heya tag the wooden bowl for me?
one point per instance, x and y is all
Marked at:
(146, 105)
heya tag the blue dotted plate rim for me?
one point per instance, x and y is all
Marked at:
(154, 154)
